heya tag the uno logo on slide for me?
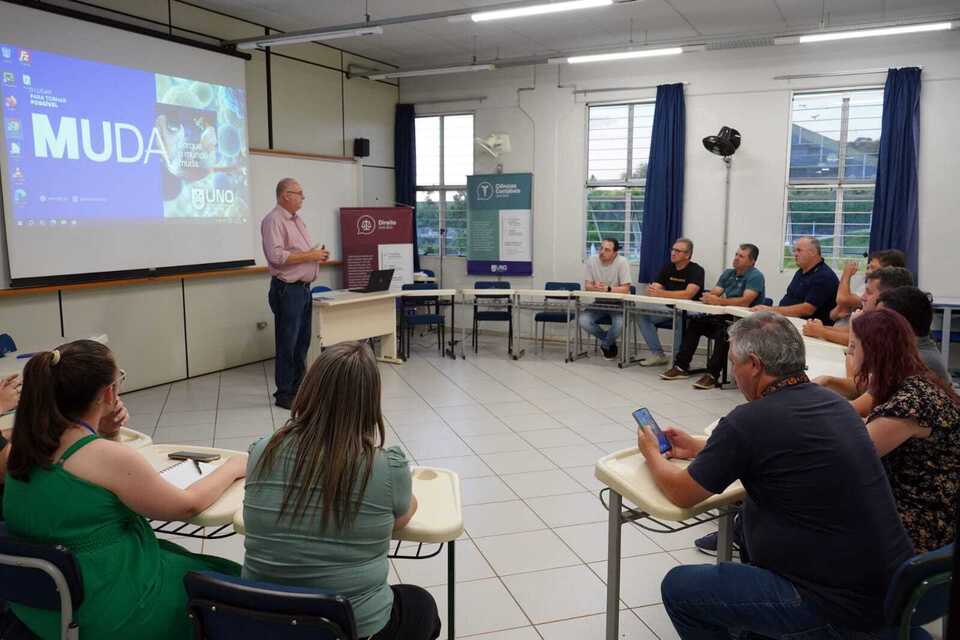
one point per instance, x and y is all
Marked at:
(484, 191)
(366, 225)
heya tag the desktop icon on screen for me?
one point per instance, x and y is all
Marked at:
(26, 80)
(17, 173)
(24, 56)
(6, 52)
(13, 127)
(19, 196)
(14, 148)
(10, 78)
(10, 102)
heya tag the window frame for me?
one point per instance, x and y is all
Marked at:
(840, 183)
(629, 185)
(442, 189)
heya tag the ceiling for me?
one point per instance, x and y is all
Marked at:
(442, 42)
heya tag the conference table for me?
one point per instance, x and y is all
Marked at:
(627, 476)
(630, 305)
(438, 520)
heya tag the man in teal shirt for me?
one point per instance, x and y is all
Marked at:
(741, 286)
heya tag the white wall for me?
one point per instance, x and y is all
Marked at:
(546, 122)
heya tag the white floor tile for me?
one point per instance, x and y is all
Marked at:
(576, 455)
(523, 633)
(470, 565)
(655, 617)
(517, 408)
(586, 475)
(631, 628)
(496, 443)
(500, 517)
(184, 418)
(499, 610)
(577, 508)
(558, 594)
(542, 483)
(464, 466)
(589, 541)
(478, 426)
(553, 438)
(485, 490)
(531, 422)
(525, 552)
(640, 577)
(517, 462)
(437, 447)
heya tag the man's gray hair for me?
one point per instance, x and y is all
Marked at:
(773, 339)
(689, 243)
(814, 242)
(283, 184)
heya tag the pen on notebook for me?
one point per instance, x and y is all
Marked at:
(196, 463)
(26, 355)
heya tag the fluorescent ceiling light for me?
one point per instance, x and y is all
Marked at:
(619, 55)
(311, 37)
(865, 33)
(431, 72)
(538, 9)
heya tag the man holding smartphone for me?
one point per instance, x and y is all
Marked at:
(294, 263)
(819, 519)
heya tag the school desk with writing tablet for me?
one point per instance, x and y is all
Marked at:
(627, 476)
(218, 517)
(437, 521)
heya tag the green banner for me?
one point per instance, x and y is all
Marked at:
(500, 224)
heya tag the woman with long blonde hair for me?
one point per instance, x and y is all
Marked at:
(324, 498)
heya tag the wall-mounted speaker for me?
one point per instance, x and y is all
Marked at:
(361, 147)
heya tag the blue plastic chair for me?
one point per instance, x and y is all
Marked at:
(544, 317)
(492, 316)
(428, 272)
(320, 289)
(227, 607)
(920, 592)
(409, 318)
(41, 576)
(7, 344)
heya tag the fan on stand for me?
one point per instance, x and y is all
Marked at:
(724, 144)
(496, 144)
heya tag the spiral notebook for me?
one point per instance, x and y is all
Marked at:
(185, 473)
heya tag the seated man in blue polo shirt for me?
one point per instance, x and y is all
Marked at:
(741, 286)
(813, 291)
(819, 519)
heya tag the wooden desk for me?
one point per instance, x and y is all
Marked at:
(438, 520)
(339, 316)
(626, 473)
(218, 515)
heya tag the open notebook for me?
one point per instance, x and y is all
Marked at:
(184, 473)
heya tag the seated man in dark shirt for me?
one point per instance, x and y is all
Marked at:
(819, 519)
(813, 291)
(681, 279)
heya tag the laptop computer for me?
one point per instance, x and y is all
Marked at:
(379, 281)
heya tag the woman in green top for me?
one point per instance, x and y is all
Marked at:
(66, 485)
(323, 498)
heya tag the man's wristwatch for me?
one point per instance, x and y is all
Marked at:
(609, 289)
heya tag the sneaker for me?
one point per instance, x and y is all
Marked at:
(608, 353)
(676, 373)
(283, 403)
(706, 381)
(708, 544)
(655, 361)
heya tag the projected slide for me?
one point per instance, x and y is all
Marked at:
(94, 142)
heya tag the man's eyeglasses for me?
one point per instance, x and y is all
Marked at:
(120, 379)
(296, 193)
(675, 250)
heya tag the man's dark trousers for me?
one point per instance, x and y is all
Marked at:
(714, 327)
(292, 316)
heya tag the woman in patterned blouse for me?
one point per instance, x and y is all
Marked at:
(914, 423)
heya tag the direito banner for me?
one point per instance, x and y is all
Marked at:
(376, 238)
(500, 224)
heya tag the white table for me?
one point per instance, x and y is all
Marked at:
(340, 316)
(15, 361)
(946, 305)
(547, 300)
(494, 297)
(627, 475)
(438, 520)
(437, 293)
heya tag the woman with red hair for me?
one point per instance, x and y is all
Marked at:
(914, 423)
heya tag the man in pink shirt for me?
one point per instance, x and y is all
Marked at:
(294, 263)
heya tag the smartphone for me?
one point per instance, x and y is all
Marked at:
(193, 455)
(645, 419)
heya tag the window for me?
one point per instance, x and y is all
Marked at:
(444, 160)
(618, 148)
(834, 147)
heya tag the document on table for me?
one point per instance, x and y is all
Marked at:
(185, 473)
(398, 257)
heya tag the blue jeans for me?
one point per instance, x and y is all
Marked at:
(729, 600)
(648, 328)
(291, 304)
(590, 321)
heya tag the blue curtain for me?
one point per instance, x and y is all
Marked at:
(895, 224)
(663, 207)
(405, 166)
